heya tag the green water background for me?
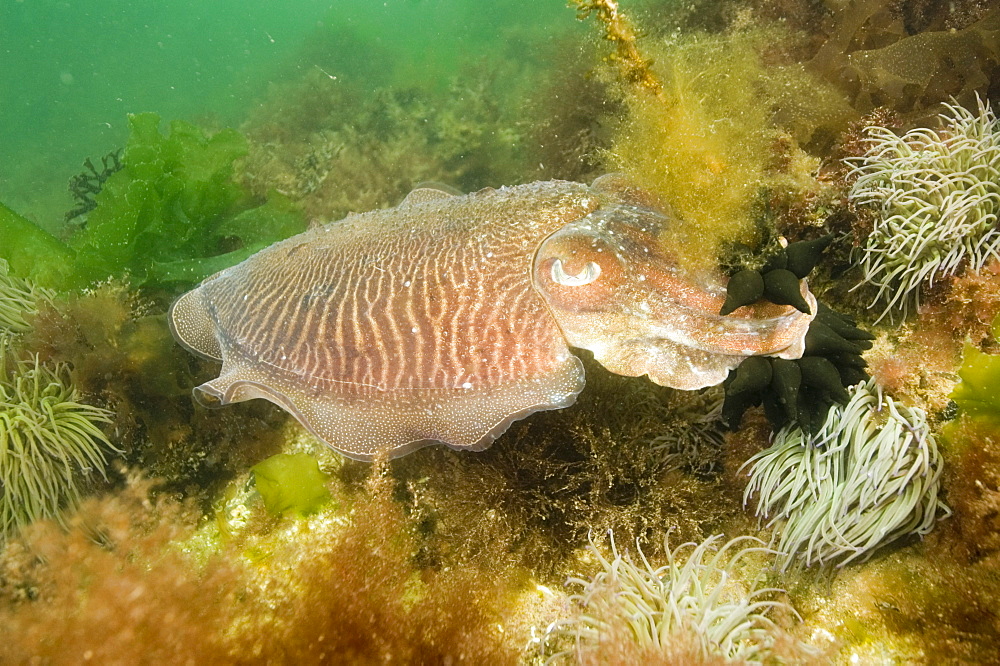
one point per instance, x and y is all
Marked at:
(73, 69)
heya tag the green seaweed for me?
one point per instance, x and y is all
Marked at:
(291, 484)
(32, 252)
(256, 228)
(174, 213)
(978, 394)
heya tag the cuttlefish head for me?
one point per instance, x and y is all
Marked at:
(615, 290)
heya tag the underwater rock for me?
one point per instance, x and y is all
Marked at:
(449, 317)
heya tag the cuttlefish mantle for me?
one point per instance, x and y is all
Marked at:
(447, 318)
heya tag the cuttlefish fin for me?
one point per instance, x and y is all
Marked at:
(367, 424)
(193, 327)
(429, 191)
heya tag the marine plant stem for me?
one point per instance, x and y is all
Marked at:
(618, 30)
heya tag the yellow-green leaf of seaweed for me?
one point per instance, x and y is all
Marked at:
(33, 252)
(978, 393)
(291, 484)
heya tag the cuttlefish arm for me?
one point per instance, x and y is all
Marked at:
(614, 290)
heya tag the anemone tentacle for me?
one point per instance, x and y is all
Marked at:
(871, 475)
(49, 440)
(937, 197)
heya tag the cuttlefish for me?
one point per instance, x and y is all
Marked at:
(449, 317)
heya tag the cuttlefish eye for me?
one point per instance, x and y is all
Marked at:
(590, 272)
(578, 271)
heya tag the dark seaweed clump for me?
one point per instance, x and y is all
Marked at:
(87, 185)
(629, 457)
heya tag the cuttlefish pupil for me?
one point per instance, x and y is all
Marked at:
(449, 317)
(590, 272)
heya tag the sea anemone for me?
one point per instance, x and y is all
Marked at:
(937, 196)
(49, 440)
(869, 476)
(18, 298)
(697, 600)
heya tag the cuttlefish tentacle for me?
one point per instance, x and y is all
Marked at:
(642, 315)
